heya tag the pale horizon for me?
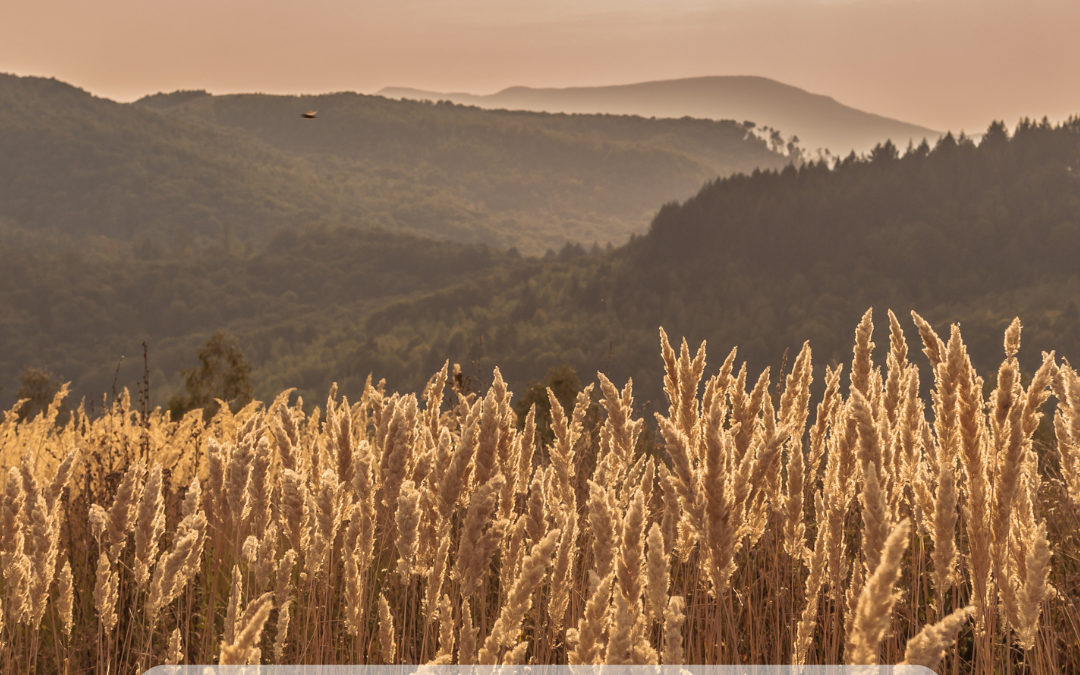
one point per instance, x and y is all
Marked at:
(951, 65)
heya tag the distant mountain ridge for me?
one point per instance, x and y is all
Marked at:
(819, 121)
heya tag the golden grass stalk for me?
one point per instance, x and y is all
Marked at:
(814, 581)
(236, 600)
(795, 401)
(294, 493)
(723, 514)
(149, 525)
(121, 516)
(511, 554)
(944, 529)
(526, 449)
(632, 549)
(929, 646)
(258, 488)
(446, 631)
(396, 454)
(282, 588)
(535, 523)
(486, 460)
(387, 645)
(861, 364)
(684, 478)
(436, 573)
(467, 637)
(586, 642)
(456, 476)
(658, 565)
(875, 512)
(562, 574)
(826, 413)
(326, 517)
(105, 593)
(171, 572)
(974, 457)
(60, 481)
(674, 618)
(508, 626)
(1035, 588)
(933, 347)
(602, 527)
(11, 535)
(479, 536)
(66, 598)
(910, 419)
(897, 363)
(681, 381)
(1067, 429)
(43, 559)
(264, 557)
(620, 407)
(237, 476)
(287, 437)
(217, 508)
(175, 653)
(873, 614)
(794, 523)
(342, 435)
(243, 649)
(620, 642)
(408, 524)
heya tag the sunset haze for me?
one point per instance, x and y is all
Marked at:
(948, 64)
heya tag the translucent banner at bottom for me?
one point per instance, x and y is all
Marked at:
(539, 670)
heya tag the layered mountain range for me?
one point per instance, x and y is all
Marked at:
(819, 122)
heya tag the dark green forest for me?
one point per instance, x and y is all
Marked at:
(76, 311)
(185, 170)
(961, 232)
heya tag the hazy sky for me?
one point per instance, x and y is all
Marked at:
(946, 64)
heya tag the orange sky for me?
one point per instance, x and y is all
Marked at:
(946, 64)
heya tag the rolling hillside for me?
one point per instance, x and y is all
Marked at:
(190, 169)
(959, 233)
(529, 180)
(975, 234)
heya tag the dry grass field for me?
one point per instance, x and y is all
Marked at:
(871, 527)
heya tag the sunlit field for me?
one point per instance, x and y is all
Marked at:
(912, 511)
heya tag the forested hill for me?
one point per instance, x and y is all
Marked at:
(75, 165)
(531, 180)
(189, 169)
(960, 233)
(78, 311)
(975, 234)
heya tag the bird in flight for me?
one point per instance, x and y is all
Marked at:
(309, 115)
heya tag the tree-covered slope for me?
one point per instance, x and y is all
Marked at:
(186, 168)
(958, 233)
(78, 165)
(540, 179)
(78, 310)
(975, 234)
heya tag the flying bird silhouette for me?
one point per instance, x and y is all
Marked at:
(309, 115)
